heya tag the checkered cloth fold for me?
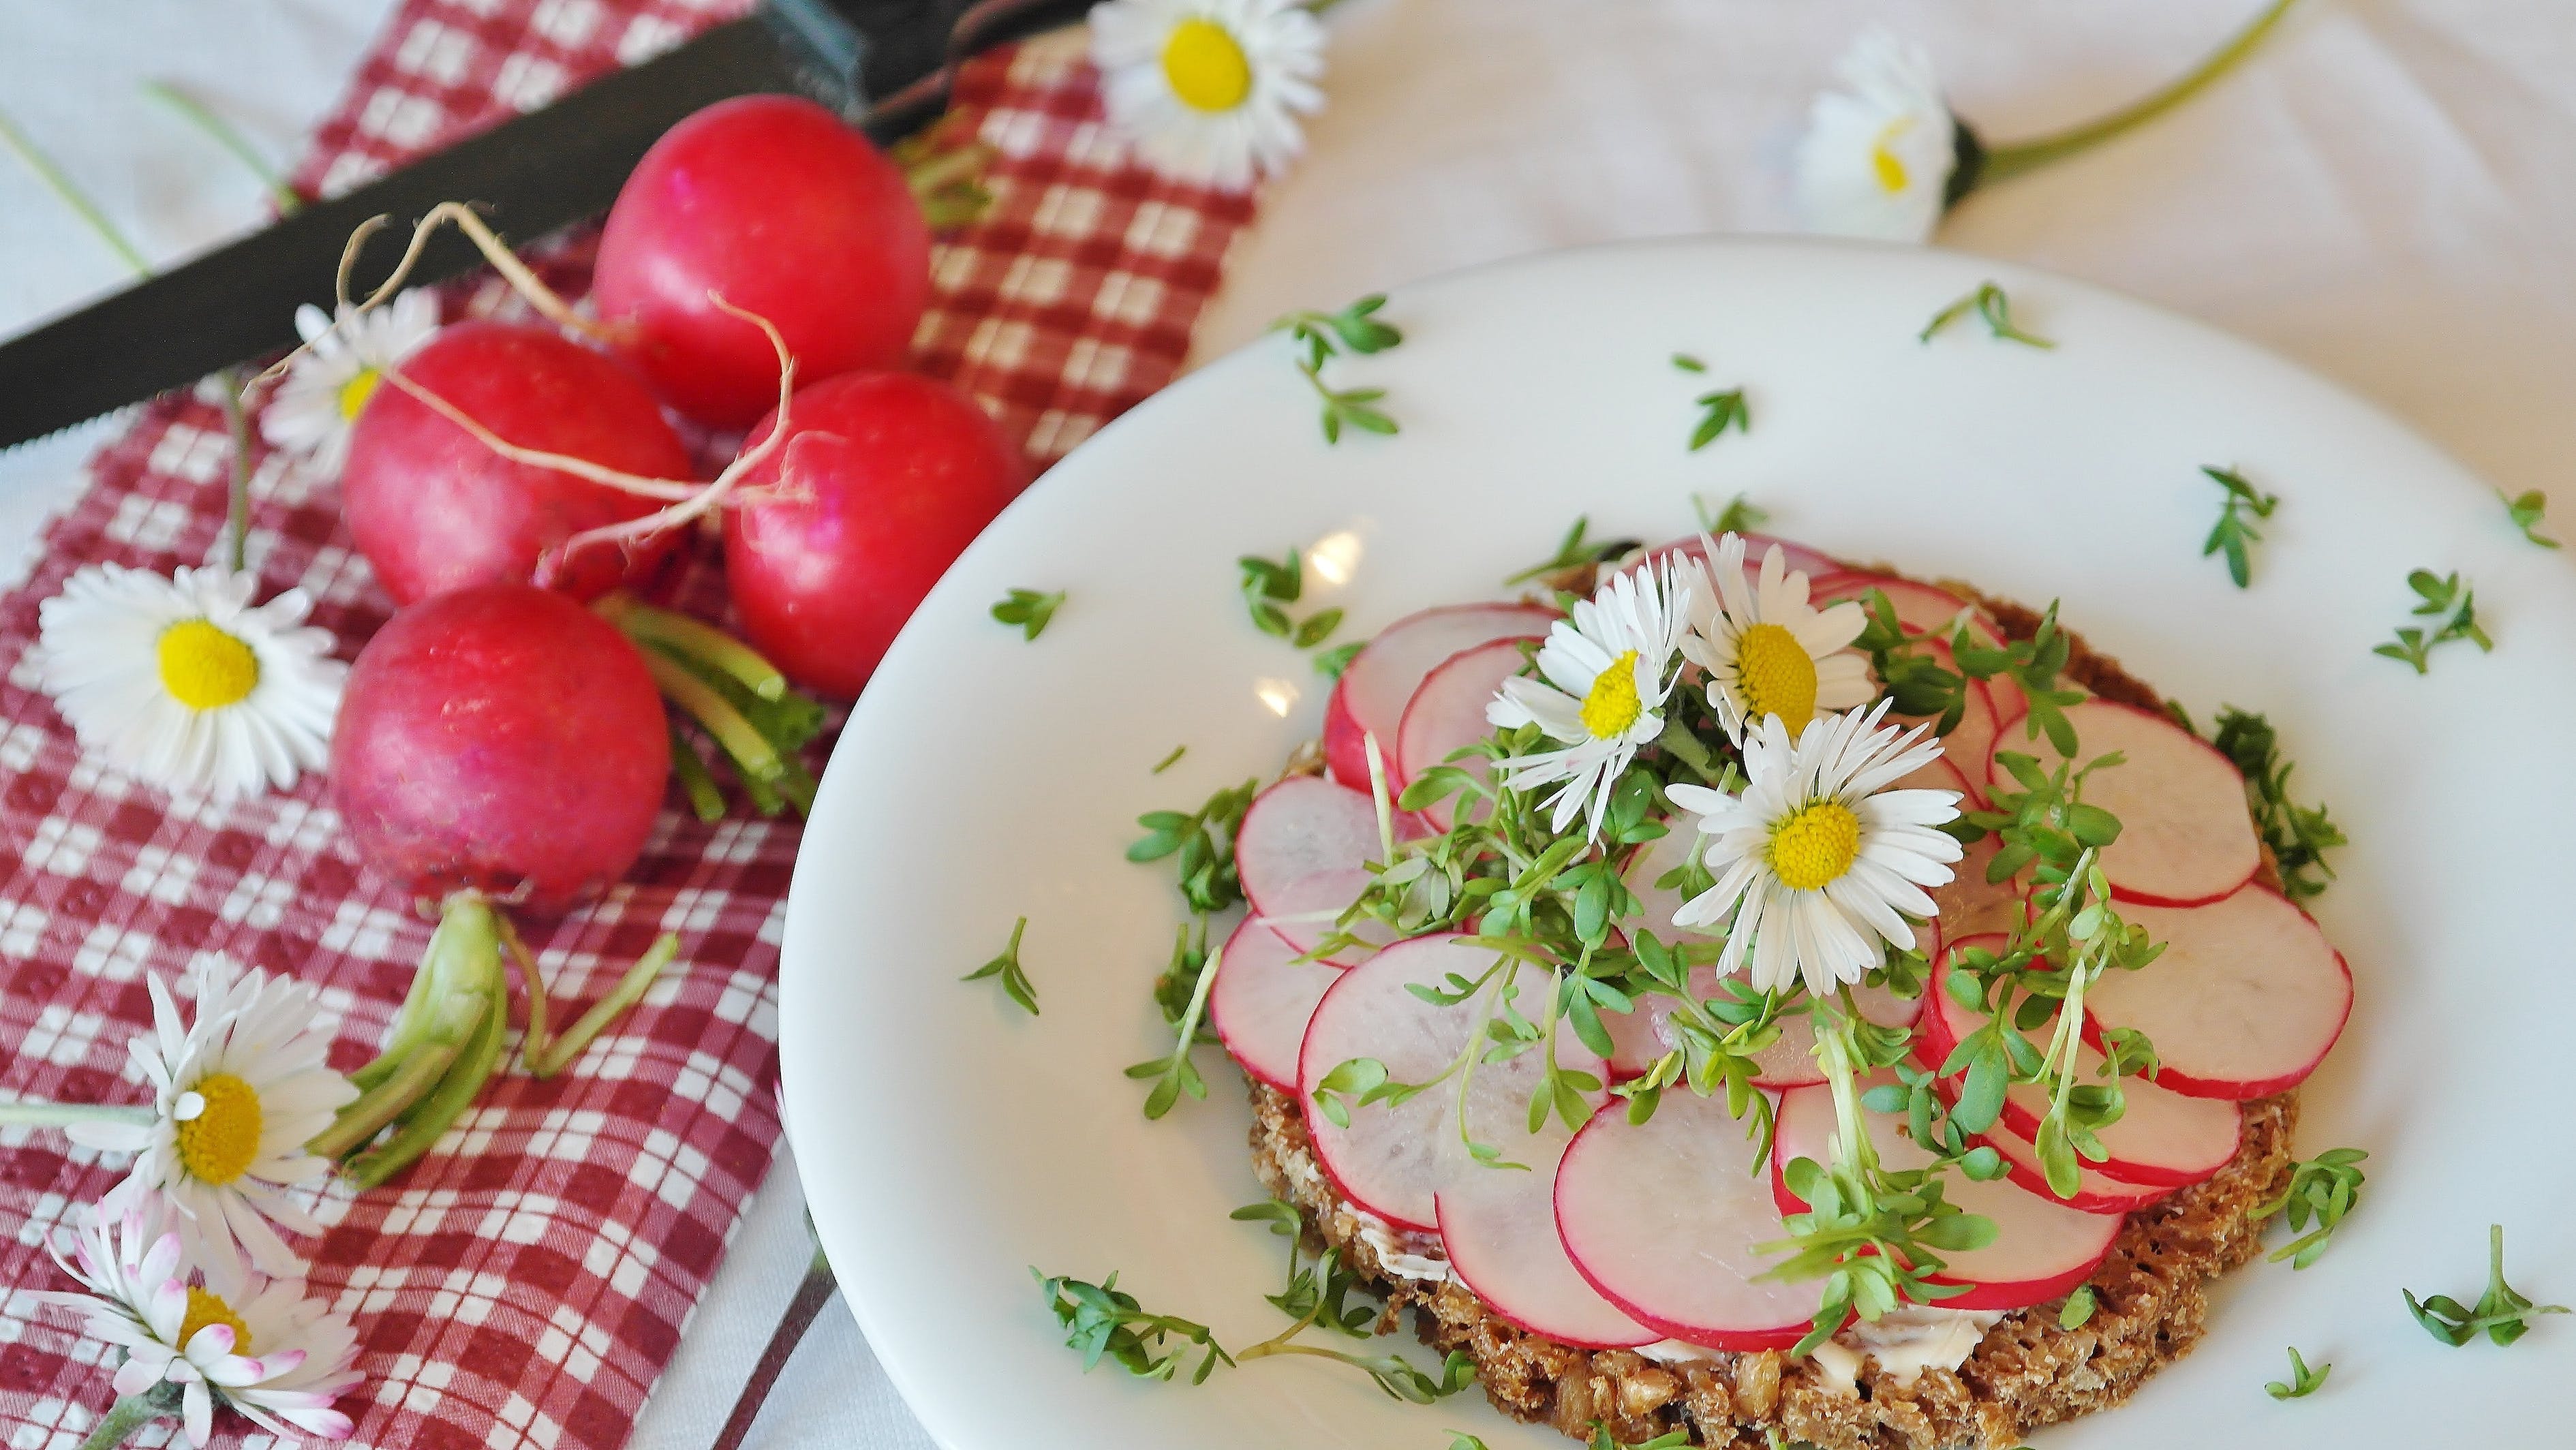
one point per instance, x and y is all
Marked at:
(527, 1282)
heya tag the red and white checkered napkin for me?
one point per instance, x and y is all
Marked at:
(526, 1283)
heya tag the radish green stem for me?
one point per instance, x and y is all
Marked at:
(751, 752)
(223, 134)
(466, 930)
(702, 643)
(388, 1099)
(455, 1091)
(695, 779)
(2004, 162)
(545, 1060)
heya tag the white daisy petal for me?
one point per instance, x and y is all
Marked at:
(315, 409)
(1738, 634)
(1209, 90)
(1637, 615)
(1876, 159)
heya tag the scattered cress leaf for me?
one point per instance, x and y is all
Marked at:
(1015, 982)
(1029, 609)
(2302, 1382)
(1990, 304)
(2527, 510)
(2235, 530)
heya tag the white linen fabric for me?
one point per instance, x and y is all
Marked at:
(2387, 193)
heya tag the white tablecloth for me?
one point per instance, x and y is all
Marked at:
(2388, 194)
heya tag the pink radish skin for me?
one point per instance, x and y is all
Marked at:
(1393, 1159)
(1811, 562)
(2042, 1248)
(1920, 608)
(2245, 1002)
(500, 739)
(1262, 999)
(434, 508)
(1303, 850)
(2095, 1192)
(1498, 1228)
(1664, 1219)
(1447, 715)
(2185, 837)
(1380, 680)
(2163, 1140)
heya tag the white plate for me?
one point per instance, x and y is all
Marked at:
(949, 1142)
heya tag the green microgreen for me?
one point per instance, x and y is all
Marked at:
(1602, 1439)
(1575, 551)
(2323, 1188)
(1168, 761)
(1204, 841)
(2528, 510)
(2449, 604)
(2299, 836)
(1689, 363)
(2302, 1382)
(1317, 1291)
(1015, 982)
(1990, 304)
(1331, 662)
(2078, 1309)
(1740, 516)
(1719, 411)
(1267, 585)
(2502, 1314)
(1029, 609)
(1321, 336)
(1105, 1322)
(1176, 1073)
(2235, 529)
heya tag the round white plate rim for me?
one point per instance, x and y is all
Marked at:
(812, 995)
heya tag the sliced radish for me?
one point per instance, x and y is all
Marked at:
(1262, 999)
(2042, 1248)
(1651, 863)
(1392, 1159)
(1665, 1218)
(2245, 1001)
(1972, 906)
(1310, 906)
(1381, 679)
(2095, 1191)
(2163, 1139)
(2185, 836)
(1302, 855)
(1498, 1227)
(1447, 715)
(1920, 608)
(1810, 562)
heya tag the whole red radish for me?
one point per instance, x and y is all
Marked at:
(434, 508)
(500, 739)
(885, 479)
(774, 204)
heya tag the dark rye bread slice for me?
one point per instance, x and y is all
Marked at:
(2151, 1293)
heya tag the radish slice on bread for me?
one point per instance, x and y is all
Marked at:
(2163, 1140)
(2185, 835)
(1393, 1158)
(1302, 855)
(1665, 1219)
(2042, 1248)
(1380, 680)
(1447, 714)
(2095, 1191)
(1262, 999)
(1813, 563)
(1498, 1227)
(2246, 1000)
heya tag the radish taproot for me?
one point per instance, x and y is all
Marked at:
(882, 480)
(776, 205)
(498, 746)
(434, 507)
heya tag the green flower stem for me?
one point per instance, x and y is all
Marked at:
(456, 1090)
(15, 1114)
(17, 143)
(419, 1072)
(547, 1059)
(237, 497)
(2005, 162)
(1686, 748)
(751, 752)
(222, 133)
(703, 643)
(131, 1413)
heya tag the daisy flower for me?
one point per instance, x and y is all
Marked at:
(1209, 90)
(1818, 864)
(329, 382)
(238, 1094)
(183, 683)
(1767, 652)
(1877, 157)
(264, 1348)
(1604, 676)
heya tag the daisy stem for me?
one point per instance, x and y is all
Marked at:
(1685, 747)
(2005, 162)
(20, 1113)
(222, 133)
(129, 1414)
(228, 383)
(17, 143)
(703, 643)
(545, 1061)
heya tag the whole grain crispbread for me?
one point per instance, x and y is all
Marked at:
(2151, 1295)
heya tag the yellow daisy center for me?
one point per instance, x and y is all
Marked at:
(356, 391)
(1883, 160)
(219, 1144)
(1776, 676)
(1206, 66)
(206, 1307)
(1815, 846)
(204, 667)
(1611, 705)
